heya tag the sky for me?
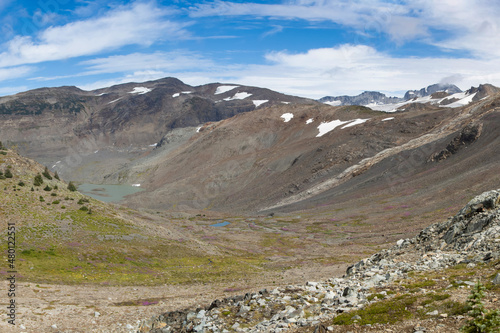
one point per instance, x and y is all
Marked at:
(309, 48)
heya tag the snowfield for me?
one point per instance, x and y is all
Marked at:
(287, 117)
(238, 95)
(326, 127)
(258, 102)
(463, 99)
(140, 90)
(223, 89)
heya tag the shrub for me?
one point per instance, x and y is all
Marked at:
(84, 208)
(46, 173)
(82, 201)
(8, 173)
(53, 194)
(42, 199)
(482, 321)
(71, 187)
(21, 183)
(38, 180)
(47, 188)
(55, 202)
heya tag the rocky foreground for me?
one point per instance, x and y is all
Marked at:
(469, 238)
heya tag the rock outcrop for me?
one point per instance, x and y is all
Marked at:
(473, 235)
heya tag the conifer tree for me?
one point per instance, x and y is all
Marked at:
(38, 180)
(46, 174)
(71, 187)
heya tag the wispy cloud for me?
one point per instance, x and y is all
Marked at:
(138, 23)
(15, 72)
(468, 24)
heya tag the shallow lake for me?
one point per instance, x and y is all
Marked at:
(108, 193)
(220, 224)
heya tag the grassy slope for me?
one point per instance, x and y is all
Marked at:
(57, 242)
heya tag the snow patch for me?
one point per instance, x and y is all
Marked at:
(182, 92)
(223, 89)
(390, 118)
(238, 95)
(333, 103)
(101, 94)
(258, 102)
(198, 129)
(355, 122)
(116, 100)
(287, 117)
(326, 127)
(309, 121)
(285, 102)
(154, 145)
(464, 99)
(136, 185)
(140, 90)
(96, 151)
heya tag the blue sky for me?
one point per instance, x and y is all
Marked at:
(300, 47)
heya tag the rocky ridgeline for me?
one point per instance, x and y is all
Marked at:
(472, 236)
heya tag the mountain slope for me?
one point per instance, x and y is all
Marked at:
(257, 161)
(69, 125)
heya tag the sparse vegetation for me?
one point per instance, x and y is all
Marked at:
(71, 187)
(8, 173)
(46, 173)
(38, 181)
(482, 320)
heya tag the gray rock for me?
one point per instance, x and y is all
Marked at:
(496, 280)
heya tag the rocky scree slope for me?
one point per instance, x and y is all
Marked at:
(471, 237)
(258, 162)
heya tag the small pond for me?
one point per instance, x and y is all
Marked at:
(220, 224)
(108, 193)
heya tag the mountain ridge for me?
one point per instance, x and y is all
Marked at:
(368, 98)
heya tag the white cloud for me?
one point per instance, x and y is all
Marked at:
(139, 23)
(469, 25)
(350, 69)
(15, 72)
(171, 61)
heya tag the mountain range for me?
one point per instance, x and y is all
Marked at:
(368, 98)
(237, 148)
(242, 188)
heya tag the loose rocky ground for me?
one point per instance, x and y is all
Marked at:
(424, 281)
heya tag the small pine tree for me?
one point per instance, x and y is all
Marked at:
(71, 187)
(21, 183)
(32, 189)
(8, 173)
(38, 180)
(482, 321)
(56, 176)
(47, 188)
(46, 173)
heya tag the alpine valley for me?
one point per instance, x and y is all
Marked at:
(247, 191)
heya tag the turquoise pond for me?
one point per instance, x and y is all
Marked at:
(220, 224)
(108, 193)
